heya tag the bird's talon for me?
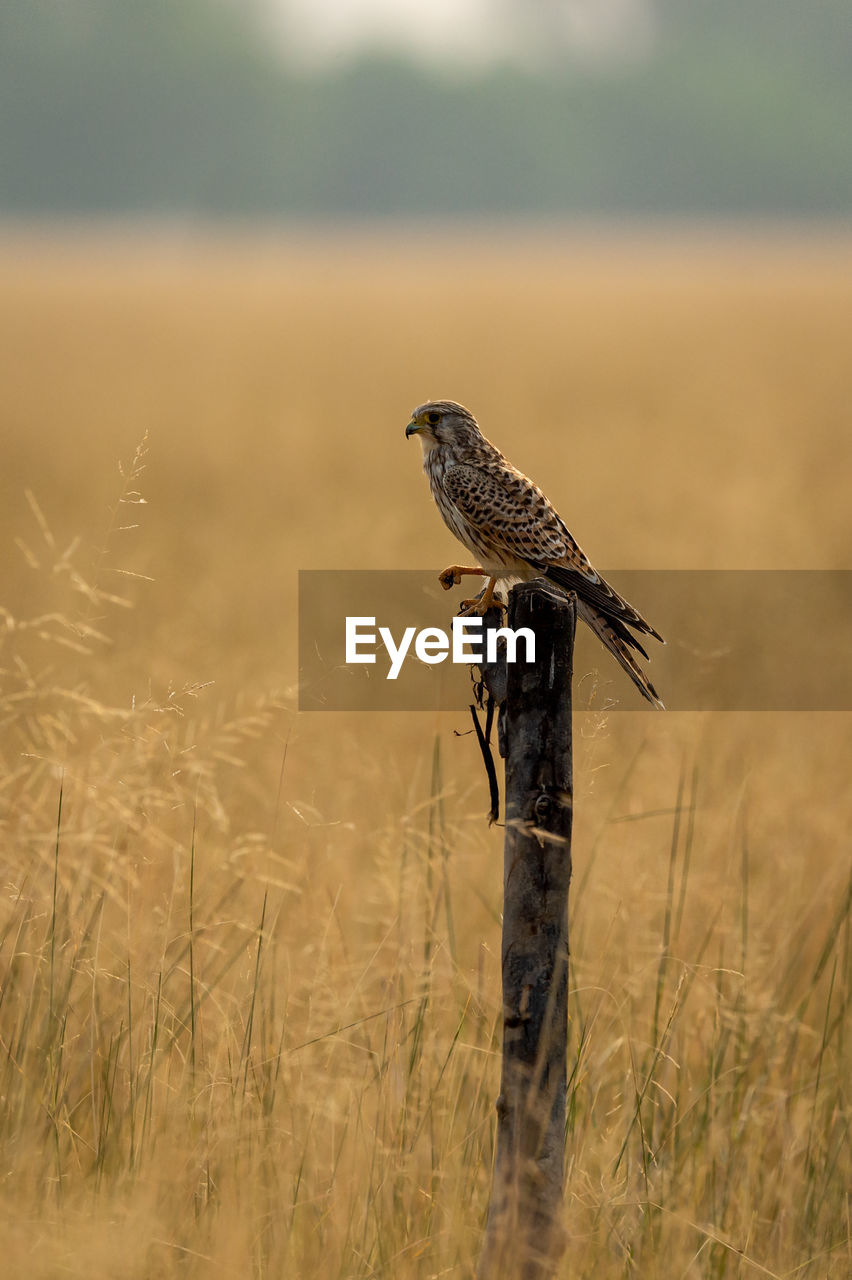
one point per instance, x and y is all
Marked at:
(481, 605)
(449, 578)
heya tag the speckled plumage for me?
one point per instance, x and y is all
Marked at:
(505, 520)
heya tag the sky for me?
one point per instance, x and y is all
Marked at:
(465, 31)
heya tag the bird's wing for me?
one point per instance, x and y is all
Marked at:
(512, 514)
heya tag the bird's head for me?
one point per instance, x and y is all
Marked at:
(443, 422)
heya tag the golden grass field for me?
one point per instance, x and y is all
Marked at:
(250, 971)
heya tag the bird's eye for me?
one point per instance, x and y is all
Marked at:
(433, 418)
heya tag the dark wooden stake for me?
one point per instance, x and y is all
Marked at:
(524, 1235)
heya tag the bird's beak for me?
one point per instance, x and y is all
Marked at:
(412, 429)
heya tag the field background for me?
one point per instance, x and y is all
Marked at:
(248, 1021)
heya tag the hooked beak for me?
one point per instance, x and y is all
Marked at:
(412, 429)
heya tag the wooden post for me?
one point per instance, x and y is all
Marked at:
(524, 1236)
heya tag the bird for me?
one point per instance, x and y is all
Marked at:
(515, 532)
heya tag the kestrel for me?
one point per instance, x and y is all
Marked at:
(515, 532)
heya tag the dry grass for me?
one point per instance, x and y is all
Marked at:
(250, 985)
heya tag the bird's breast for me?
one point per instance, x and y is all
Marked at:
(472, 535)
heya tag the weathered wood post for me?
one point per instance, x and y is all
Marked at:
(523, 1236)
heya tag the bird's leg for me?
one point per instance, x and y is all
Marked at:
(483, 602)
(452, 577)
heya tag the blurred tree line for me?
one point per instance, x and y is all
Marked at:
(187, 107)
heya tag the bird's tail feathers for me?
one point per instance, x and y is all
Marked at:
(592, 587)
(621, 644)
(626, 635)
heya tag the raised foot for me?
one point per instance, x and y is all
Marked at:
(452, 576)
